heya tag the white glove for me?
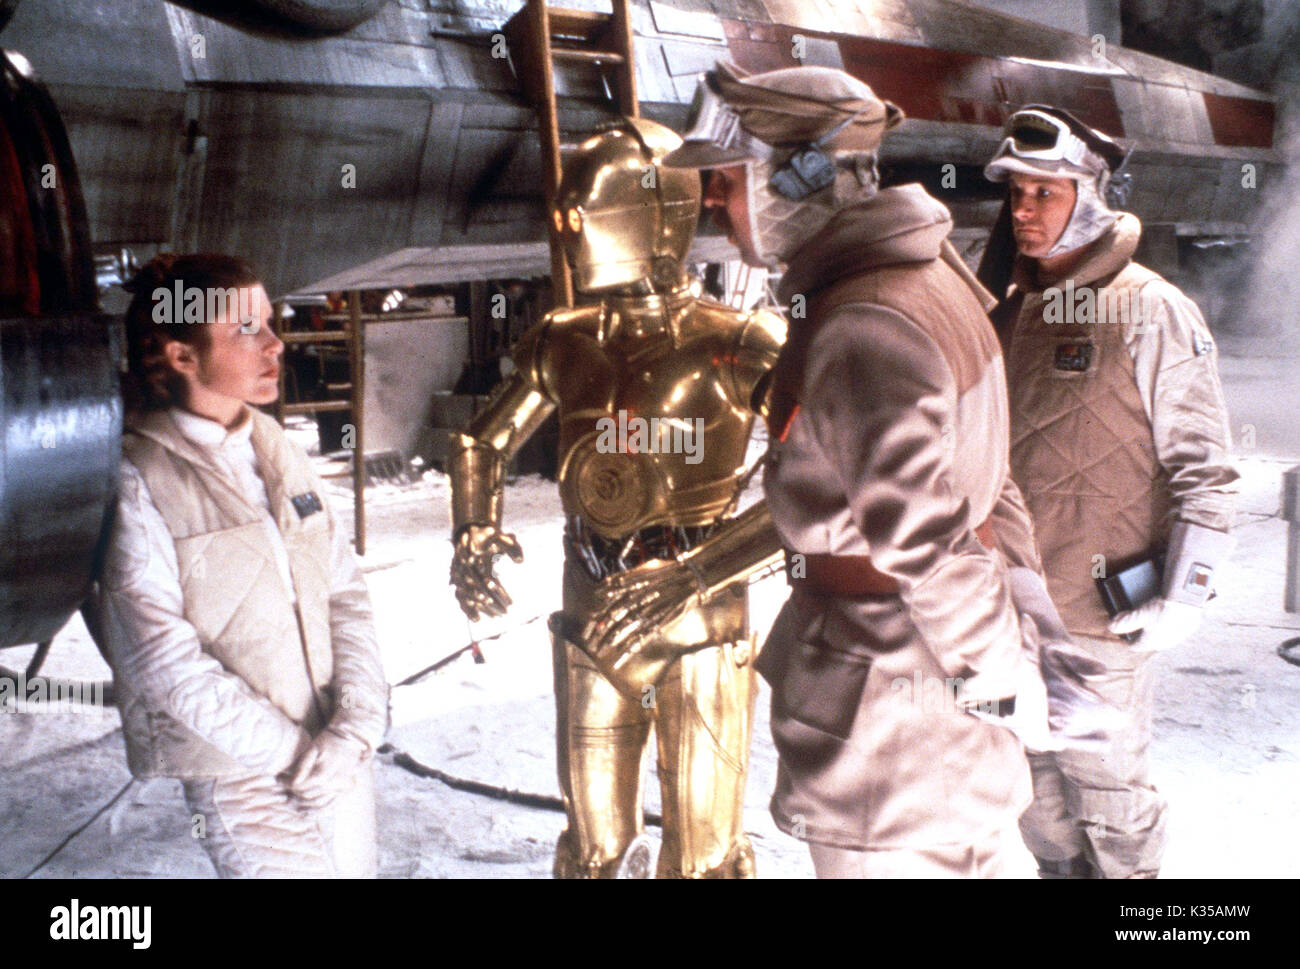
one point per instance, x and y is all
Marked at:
(1030, 719)
(1029, 722)
(1078, 716)
(1195, 556)
(326, 769)
(1164, 623)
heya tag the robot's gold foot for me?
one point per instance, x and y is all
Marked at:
(739, 862)
(636, 861)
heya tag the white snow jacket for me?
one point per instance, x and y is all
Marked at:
(236, 620)
(897, 450)
(1118, 423)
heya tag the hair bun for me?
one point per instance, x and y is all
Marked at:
(152, 273)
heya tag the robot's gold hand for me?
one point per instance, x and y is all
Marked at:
(636, 604)
(477, 589)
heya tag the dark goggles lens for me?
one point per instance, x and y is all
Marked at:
(1033, 135)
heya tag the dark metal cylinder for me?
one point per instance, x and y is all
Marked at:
(60, 408)
(61, 415)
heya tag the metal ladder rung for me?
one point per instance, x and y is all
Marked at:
(314, 336)
(317, 406)
(580, 55)
(582, 24)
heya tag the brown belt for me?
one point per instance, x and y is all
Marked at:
(852, 576)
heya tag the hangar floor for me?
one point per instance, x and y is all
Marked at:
(1226, 752)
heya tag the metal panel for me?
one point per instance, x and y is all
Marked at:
(119, 43)
(478, 150)
(60, 434)
(230, 54)
(891, 20)
(1173, 114)
(459, 18)
(1128, 99)
(654, 81)
(127, 145)
(849, 17)
(436, 265)
(428, 212)
(801, 14)
(821, 52)
(1242, 122)
(699, 22)
(274, 185)
(690, 59)
(1231, 198)
(468, 66)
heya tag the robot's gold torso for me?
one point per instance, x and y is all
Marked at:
(655, 397)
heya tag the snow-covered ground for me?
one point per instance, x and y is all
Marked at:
(1226, 751)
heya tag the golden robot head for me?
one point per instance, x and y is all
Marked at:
(622, 216)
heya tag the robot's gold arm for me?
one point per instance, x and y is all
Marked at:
(477, 467)
(480, 453)
(637, 603)
(740, 547)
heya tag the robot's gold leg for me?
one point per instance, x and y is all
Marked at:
(705, 718)
(601, 738)
(703, 714)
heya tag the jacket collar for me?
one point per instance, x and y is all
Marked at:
(1102, 258)
(195, 439)
(208, 433)
(896, 225)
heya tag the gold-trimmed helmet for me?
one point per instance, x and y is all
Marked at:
(622, 216)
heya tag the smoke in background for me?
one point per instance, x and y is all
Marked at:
(1273, 297)
(1256, 42)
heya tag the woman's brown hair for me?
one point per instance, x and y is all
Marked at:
(150, 382)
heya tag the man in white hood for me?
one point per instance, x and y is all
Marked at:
(1119, 442)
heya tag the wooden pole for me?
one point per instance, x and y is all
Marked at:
(549, 130)
(356, 355)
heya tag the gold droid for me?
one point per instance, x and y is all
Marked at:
(655, 390)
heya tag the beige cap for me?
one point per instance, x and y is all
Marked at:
(786, 108)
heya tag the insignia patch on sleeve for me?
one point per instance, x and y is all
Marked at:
(1074, 357)
(1202, 345)
(307, 503)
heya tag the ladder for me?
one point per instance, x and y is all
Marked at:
(351, 336)
(538, 37)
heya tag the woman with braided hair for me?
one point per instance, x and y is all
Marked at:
(236, 620)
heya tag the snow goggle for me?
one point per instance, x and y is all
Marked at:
(715, 124)
(1039, 136)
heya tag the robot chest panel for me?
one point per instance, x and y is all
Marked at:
(681, 386)
(643, 433)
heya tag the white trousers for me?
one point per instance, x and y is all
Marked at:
(251, 827)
